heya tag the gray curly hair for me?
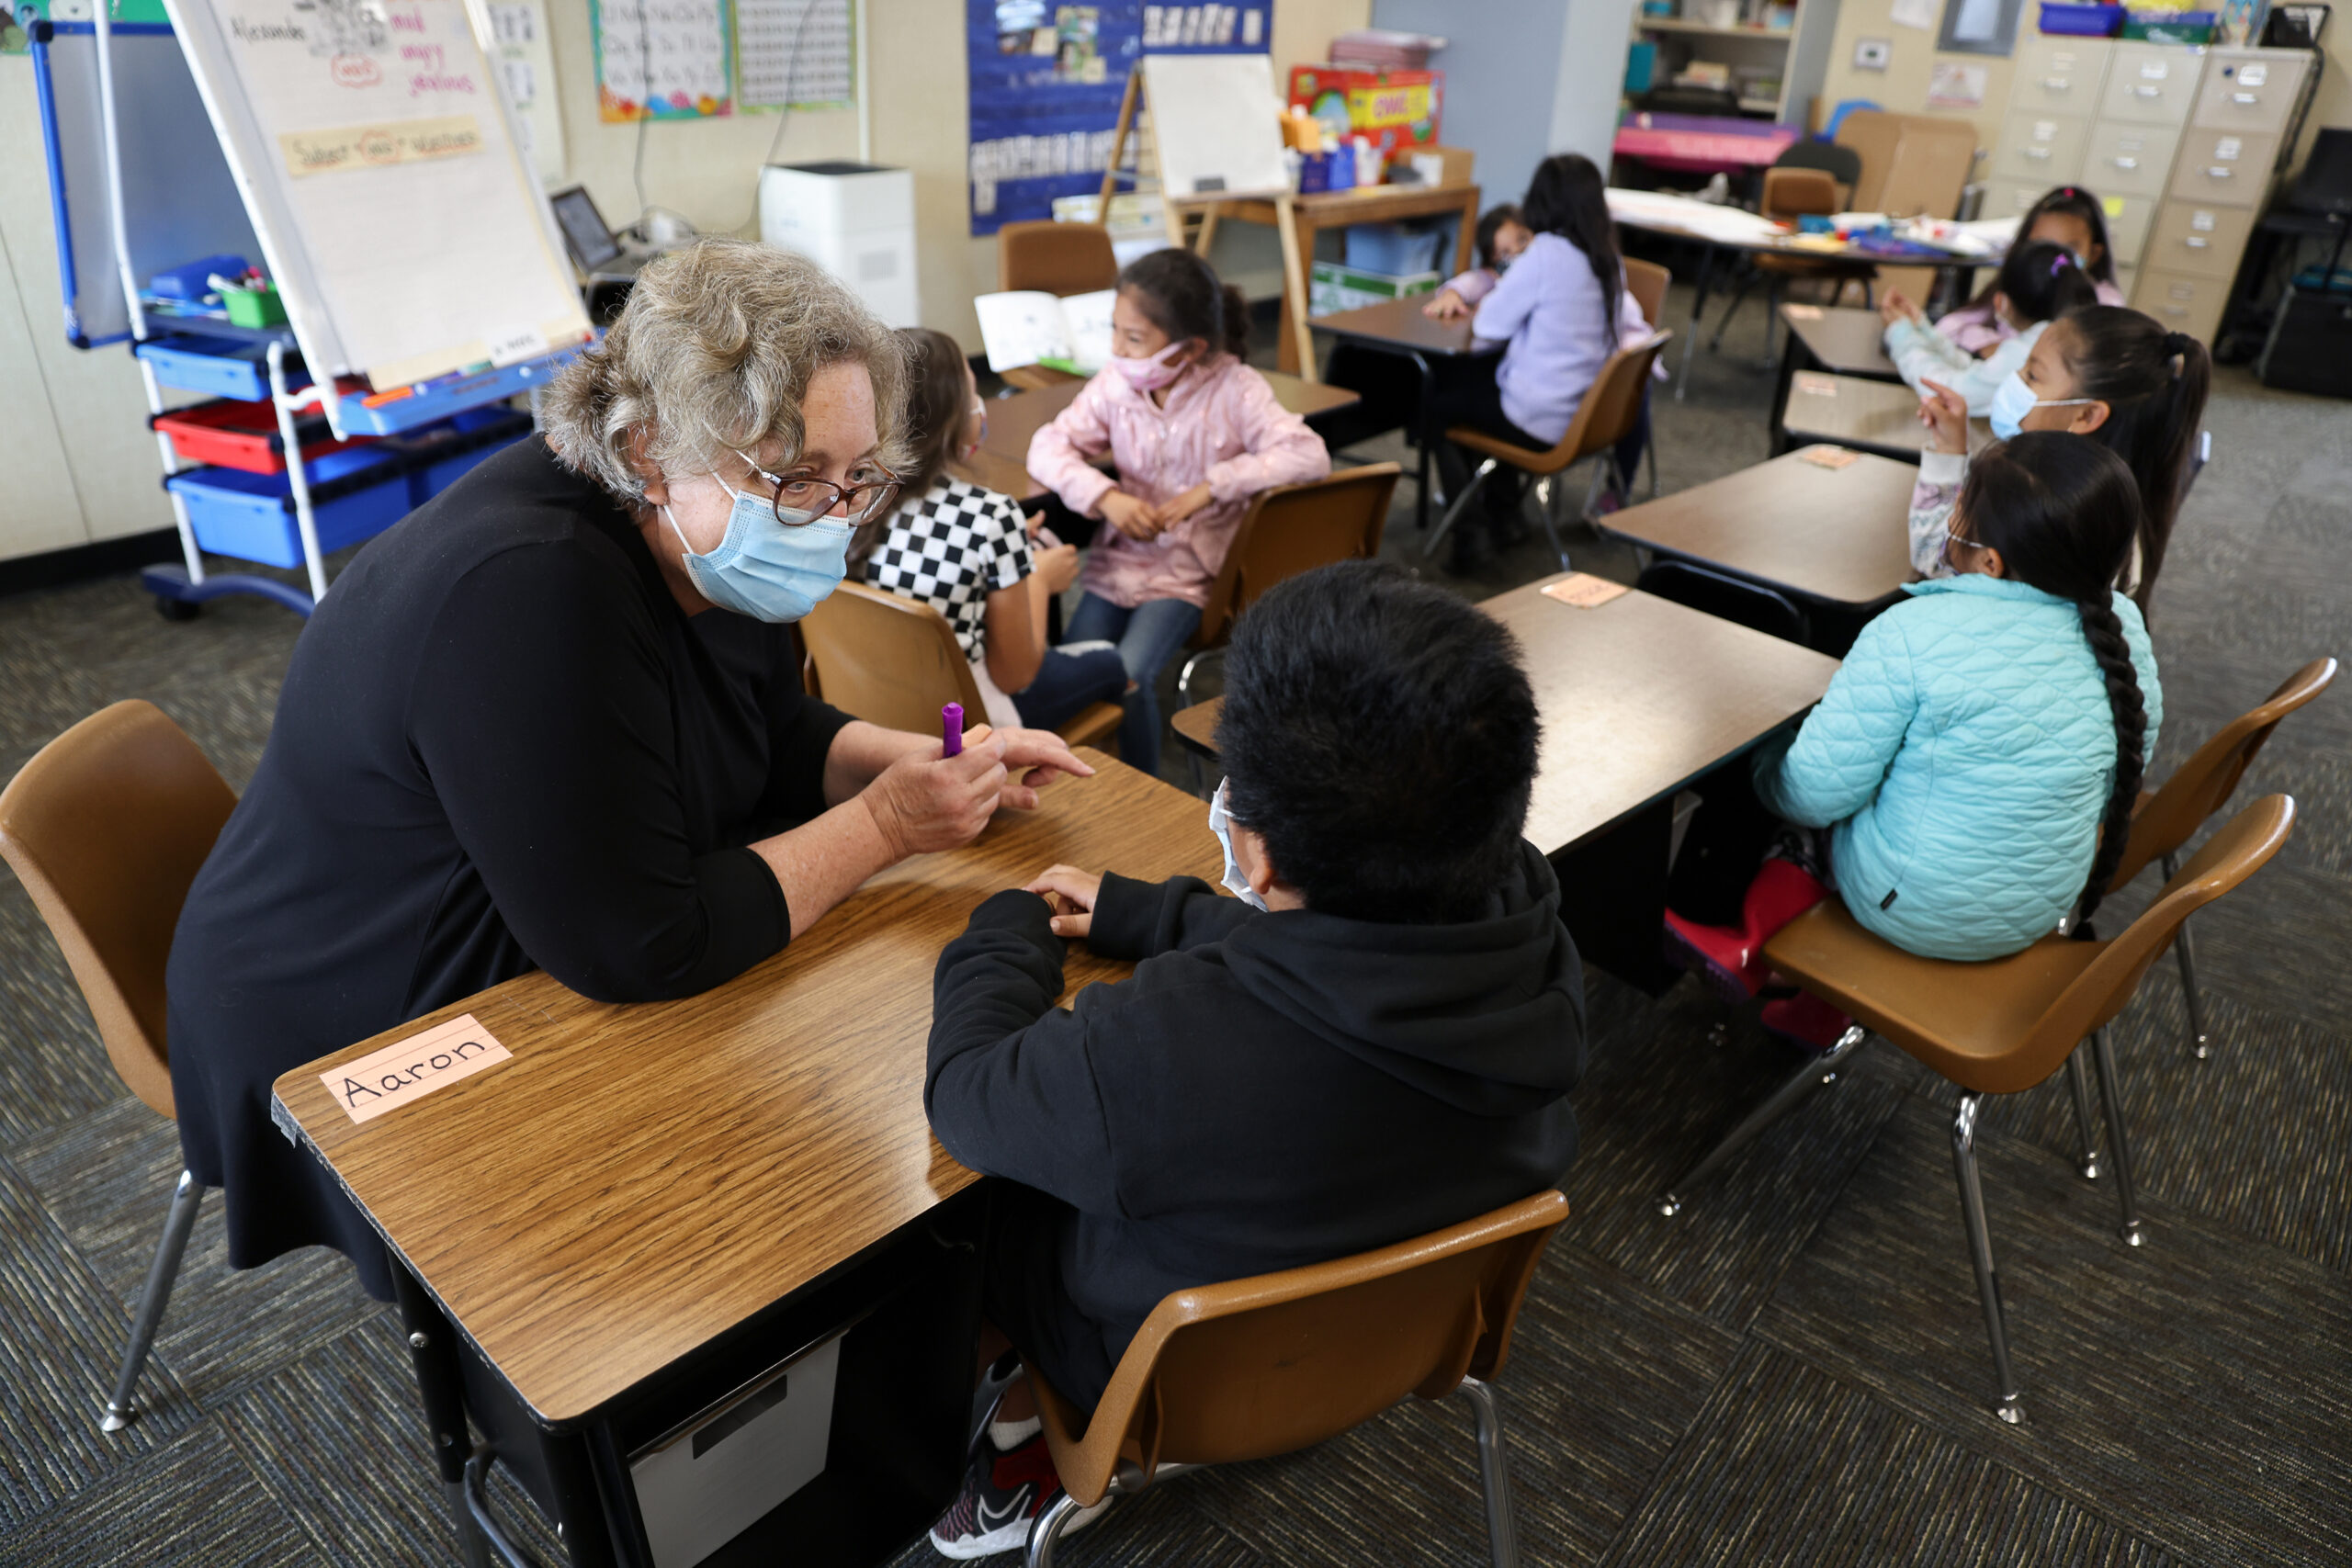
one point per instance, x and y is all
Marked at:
(714, 351)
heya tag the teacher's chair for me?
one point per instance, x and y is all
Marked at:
(1270, 1365)
(107, 828)
(896, 663)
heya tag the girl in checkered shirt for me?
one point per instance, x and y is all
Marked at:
(969, 554)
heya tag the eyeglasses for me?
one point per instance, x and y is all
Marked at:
(800, 501)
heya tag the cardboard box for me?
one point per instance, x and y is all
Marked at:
(1396, 109)
(1332, 288)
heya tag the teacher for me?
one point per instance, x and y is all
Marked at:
(553, 719)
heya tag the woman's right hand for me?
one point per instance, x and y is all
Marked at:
(1447, 307)
(1057, 567)
(921, 803)
(1137, 519)
(1945, 414)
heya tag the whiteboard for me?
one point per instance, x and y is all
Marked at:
(1215, 121)
(380, 164)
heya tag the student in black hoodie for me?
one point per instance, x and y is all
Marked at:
(1383, 1051)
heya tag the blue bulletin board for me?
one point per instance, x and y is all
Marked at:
(1046, 84)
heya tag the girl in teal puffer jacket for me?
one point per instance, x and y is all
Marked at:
(1976, 760)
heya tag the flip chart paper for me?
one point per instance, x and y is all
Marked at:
(399, 1074)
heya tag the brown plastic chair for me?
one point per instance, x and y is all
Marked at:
(1647, 283)
(1790, 193)
(896, 663)
(1996, 1028)
(1053, 258)
(1611, 407)
(2167, 818)
(1287, 530)
(107, 828)
(1283, 1362)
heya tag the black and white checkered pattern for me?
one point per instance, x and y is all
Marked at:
(950, 547)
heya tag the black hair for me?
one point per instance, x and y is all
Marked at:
(1490, 227)
(1381, 733)
(2043, 282)
(1180, 294)
(936, 402)
(1569, 197)
(2154, 383)
(2062, 511)
(2067, 201)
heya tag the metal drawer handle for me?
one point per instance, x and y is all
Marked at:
(2174, 309)
(2245, 97)
(2060, 83)
(2218, 172)
(2195, 243)
(2145, 92)
(2127, 163)
(2041, 153)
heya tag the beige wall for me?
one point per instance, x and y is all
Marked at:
(1902, 87)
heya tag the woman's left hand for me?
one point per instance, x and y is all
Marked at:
(1176, 508)
(1032, 758)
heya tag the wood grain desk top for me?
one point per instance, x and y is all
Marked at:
(1637, 698)
(994, 470)
(1399, 323)
(1364, 204)
(1197, 726)
(1875, 416)
(637, 1180)
(1846, 340)
(1014, 421)
(1831, 534)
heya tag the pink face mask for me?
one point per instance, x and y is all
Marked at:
(1149, 375)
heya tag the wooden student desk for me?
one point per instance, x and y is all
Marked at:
(1870, 416)
(652, 1204)
(1839, 339)
(1831, 535)
(1638, 698)
(1398, 327)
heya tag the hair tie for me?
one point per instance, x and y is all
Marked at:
(2061, 261)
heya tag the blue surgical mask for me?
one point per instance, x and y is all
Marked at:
(2013, 400)
(765, 569)
(1222, 826)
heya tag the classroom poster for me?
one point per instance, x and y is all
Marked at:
(1046, 84)
(795, 55)
(662, 59)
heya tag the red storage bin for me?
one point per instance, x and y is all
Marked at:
(229, 433)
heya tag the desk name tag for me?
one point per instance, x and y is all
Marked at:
(411, 1068)
(1802, 312)
(1813, 383)
(1583, 591)
(1830, 456)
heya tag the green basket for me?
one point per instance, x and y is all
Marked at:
(254, 307)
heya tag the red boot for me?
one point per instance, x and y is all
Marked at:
(1806, 1020)
(1731, 958)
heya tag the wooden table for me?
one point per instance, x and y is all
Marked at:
(1337, 209)
(1870, 416)
(1638, 698)
(650, 1204)
(1013, 420)
(1831, 535)
(1398, 327)
(1839, 339)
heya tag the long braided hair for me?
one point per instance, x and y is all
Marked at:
(2062, 511)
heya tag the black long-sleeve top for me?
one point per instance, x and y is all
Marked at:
(500, 745)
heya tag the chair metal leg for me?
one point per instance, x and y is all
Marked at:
(1730, 310)
(1454, 511)
(2198, 1046)
(1813, 1076)
(187, 1196)
(2010, 1405)
(1494, 1472)
(2078, 1082)
(2113, 1099)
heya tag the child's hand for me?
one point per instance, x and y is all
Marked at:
(1136, 519)
(1176, 508)
(1945, 414)
(1057, 566)
(1894, 307)
(1071, 895)
(1035, 522)
(1447, 307)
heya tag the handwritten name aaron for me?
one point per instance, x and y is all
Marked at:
(384, 1080)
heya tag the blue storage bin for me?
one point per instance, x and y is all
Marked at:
(354, 494)
(1392, 248)
(224, 367)
(438, 457)
(2068, 20)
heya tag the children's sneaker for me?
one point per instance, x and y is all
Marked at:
(1003, 1494)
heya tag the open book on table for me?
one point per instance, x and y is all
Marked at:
(1030, 327)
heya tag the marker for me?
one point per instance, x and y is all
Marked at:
(951, 730)
(378, 399)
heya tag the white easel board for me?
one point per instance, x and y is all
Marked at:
(380, 167)
(1216, 124)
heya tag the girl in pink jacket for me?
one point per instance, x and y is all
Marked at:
(1195, 432)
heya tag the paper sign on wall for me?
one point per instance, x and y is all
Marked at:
(1956, 87)
(662, 59)
(410, 1069)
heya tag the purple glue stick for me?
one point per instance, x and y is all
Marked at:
(951, 730)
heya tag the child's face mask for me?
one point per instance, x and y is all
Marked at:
(1221, 825)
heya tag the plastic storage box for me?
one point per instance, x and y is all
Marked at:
(2170, 26)
(1331, 287)
(1394, 248)
(435, 458)
(2080, 21)
(222, 368)
(240, 434)
(354, 494)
